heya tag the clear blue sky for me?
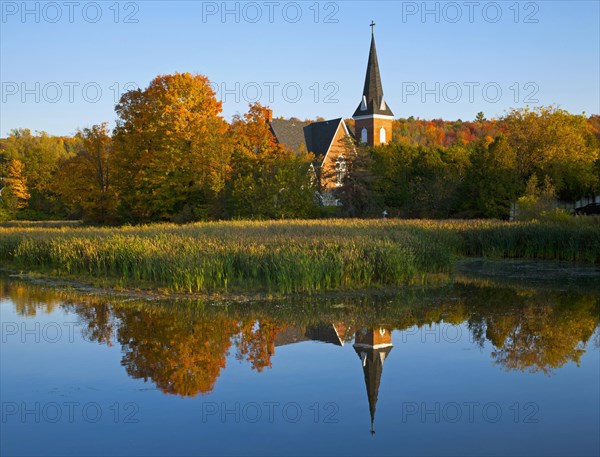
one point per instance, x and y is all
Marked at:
(544, 52)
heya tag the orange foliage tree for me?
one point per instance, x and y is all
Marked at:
(85, 180)
(170, 156)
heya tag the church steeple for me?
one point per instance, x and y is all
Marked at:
(373, 346)
(372, 101)
(373, 107)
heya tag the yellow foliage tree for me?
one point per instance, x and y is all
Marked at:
(16, 193)
(552, 142)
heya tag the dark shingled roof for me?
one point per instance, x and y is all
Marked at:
(289, 132)
(373, 90)
(319, 136)
(290, 335)
(315, 137)
(326, 333)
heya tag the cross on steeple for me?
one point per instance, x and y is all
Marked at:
(373, 116)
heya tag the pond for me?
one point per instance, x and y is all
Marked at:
(503, 361)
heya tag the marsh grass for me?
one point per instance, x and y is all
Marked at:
(286, 256)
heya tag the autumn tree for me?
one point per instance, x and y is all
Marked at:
(85, 180)
(15, 193)
(552, 142)
(267, 179)
(438, 133)
(40, 155)
(170, 157)
(419, 182)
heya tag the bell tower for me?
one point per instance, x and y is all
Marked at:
(373, 118)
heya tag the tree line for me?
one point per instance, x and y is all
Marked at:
(173, 157)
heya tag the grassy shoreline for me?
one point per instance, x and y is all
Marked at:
(286, 256)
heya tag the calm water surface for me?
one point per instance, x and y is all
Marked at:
(495, 364)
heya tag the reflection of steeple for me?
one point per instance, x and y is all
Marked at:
(373, 346)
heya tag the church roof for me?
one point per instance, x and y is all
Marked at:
(315, 137)
(326, 333)
(290, 335)
(289, 132)
(373, 101)
(320, 135)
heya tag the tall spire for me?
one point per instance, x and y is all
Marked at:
(372, 101)
(372, 347)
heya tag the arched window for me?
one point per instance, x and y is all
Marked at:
(363, 135)
(382, 136)
(340, 170)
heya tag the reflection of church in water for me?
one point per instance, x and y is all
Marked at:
(371, 345)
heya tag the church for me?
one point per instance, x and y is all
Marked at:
(330, 140)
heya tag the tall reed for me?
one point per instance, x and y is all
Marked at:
(286, 256)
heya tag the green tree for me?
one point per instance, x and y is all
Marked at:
(392, 167)
(539, 201)
(358, 194)
(436, 178)
(492, 183)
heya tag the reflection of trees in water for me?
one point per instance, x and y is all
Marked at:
(536, 331)
(98, 321)
(543, 338)
(255, 342)
(29, 299)
(183, 350)
(181, 355)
